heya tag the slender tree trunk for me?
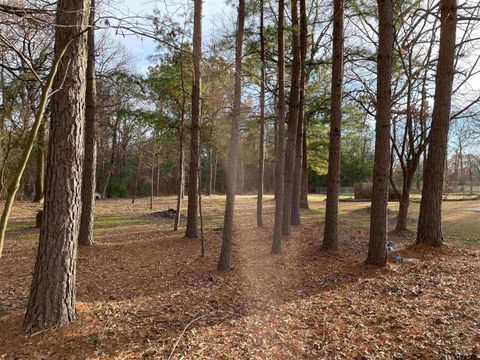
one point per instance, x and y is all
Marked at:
(430, 217)
(157, 186)
(261, 142)
(202, 237)
(135, 187)
(292, 121)
(214, 181)
(210, 172)
(40, 178)
(192, 212)
(90, 161)
(297, 175)
(304, 188)
(240, 176)
(52, 294)
(227, 236)
(330, 235)
(275, 138)
(470, 173)
(280, 144)
(377, 251)
(180, 179)
(152, 181)
(112, 158)
(462, 168)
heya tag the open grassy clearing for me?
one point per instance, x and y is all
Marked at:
(142, 283)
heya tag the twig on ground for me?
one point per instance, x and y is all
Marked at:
(183, 332)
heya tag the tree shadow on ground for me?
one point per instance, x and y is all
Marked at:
(138, 289)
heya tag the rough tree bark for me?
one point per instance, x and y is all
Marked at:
(297, 175)
(377, 251)
(192, 211)
(90, 158)
(402, 218)
(330, 234)
(292, 120)
(52, 294)
(261, 143)
(280, 133)
(430, 217)
(40, 176)
(227, 236)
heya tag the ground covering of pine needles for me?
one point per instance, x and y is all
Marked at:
(143, 291)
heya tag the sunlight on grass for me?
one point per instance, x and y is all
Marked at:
(460, 223)
(20, 225)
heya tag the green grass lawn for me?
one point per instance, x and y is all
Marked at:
(460, 223)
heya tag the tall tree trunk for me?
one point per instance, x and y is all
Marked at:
(292, 121)
(152, 181)
(430, 217)
(462, 168)
(377, 251)
(192, 212)
(261, 142)
(227, 236)
(157, 185)
(275, 147)
(210, 172)
(470, 173)
(180, 178)
(52, 294)
(304, 188)
(40, 176)
(135, 186)
(280, 143)
(202, 237)
(297, 175)
(90, 161)
(214, 180)
(240, 176)
(330, 234)
(112, 158)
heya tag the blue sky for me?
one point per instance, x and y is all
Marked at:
(141, 48)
